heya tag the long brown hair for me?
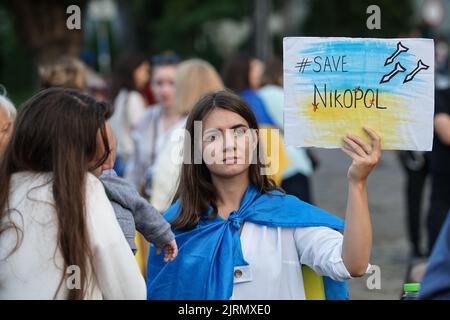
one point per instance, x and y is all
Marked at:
(273, 72)
(236, 72)
(196, 191)
(56, 131)
(123, 74)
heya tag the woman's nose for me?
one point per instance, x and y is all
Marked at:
(230, 140)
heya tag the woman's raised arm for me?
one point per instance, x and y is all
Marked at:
(357, 243)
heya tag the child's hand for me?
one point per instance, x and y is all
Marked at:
(171, 251)
(365, 156)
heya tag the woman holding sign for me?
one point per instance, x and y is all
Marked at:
(239, 236)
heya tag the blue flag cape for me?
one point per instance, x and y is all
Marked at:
(209, 252)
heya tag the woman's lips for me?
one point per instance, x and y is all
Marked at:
(231, 160)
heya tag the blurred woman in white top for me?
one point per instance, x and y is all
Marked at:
(132, 74)
(156, 124)
(194, 79)
(59, 237)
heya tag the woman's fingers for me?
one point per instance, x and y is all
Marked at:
(364, 145)
(354, 146)
(350, 153)
(361, 147)
(365, 156)
(376, 139)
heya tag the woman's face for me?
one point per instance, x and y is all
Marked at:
(163, 84)
(255, 73)
(142, 75)
(109, 163)
(228, 143)
(6, 127)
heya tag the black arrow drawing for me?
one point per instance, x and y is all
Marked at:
(420, 66)
(398, 68)
(400, 48)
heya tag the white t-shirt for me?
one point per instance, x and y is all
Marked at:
(275, 256)
(35, 269)
(167, 168)
(129, 108)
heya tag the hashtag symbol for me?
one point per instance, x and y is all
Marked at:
(303, 64)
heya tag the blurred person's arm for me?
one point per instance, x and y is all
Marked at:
(442, 127)
(442, 115)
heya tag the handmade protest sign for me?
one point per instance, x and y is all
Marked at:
(334, 86)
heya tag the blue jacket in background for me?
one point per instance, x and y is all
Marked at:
(436, 282)
(258, 107)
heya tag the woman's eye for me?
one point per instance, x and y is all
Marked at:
(5, 128)
(210, 138)
(238, 132)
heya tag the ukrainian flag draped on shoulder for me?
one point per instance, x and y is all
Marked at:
(209, 252)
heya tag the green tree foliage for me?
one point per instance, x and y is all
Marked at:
(178, 25)
(348, 18)
(16, 66)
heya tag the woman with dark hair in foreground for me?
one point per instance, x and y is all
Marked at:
(241, 238)
(59, 235)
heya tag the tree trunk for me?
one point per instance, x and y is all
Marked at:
(261, 32)
(41, 25)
